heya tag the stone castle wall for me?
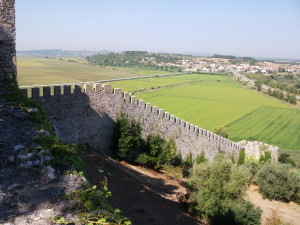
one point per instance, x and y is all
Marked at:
(8, 69)
(87, 114)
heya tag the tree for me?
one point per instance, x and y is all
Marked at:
(222, 131)
(217, 190)
(258, 85)
(276, 181)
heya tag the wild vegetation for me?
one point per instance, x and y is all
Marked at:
(277, 181)
(287, 82)
(217, 191)
(94, 205)
(129, 145)
(140, 59)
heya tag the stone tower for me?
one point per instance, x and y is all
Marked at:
(8, 68)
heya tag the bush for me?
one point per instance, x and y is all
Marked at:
(189, 160)
(238, 213)
(286, 158)
(277, 182)
(174, 171)
(265, 157)
(128, 141)
(177, 160)
(242, 157)
(222, 131)
(163, 151)
(201, 158)
(253, 167)
(217, 187)
(130, 146)
(145, 160)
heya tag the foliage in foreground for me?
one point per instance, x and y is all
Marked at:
(130, 146)
(128, 140)
(94, 207)
(217, 190)
(277, 181)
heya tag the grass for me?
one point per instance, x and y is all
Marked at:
(277, 126)
(41, 71)
(248, 115)
(155, 82)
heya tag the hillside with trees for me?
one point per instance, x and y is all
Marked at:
(140, 59)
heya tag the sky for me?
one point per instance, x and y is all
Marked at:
(257, 28)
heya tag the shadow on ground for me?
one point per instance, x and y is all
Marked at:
(138, 196)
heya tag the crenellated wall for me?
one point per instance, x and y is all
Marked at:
(8, 69)
(87, 114)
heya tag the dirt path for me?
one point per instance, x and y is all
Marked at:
(144, 196)
(289, 212)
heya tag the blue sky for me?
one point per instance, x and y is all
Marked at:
(261, 28)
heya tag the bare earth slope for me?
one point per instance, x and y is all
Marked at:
(144, 196)
(289, 212)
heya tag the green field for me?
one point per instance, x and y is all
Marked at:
(155, 82)
(218, 101)
(39, 71)
(207, 100)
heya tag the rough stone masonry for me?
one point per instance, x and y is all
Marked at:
(87, 114)
(8, 69)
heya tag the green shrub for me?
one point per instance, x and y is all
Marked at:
(173, 171)
(146, 160)
(129, 145)
(243, 213)
(201, 158)
(222, 131)
(159, 150)
(253, 167)
(177, 160)
(169, 150)
(265, 157)
(238, 213)
(66, 155)
(277, 182)
(128, 141)
(189, 160)
(242, 157)
(94, 207)
(215, 189)
(287, 159)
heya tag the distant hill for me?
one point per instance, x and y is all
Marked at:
(59, 53)
(141, 59)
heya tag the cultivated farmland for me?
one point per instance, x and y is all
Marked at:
(219, 101)
(38, 71)
(205, 100)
